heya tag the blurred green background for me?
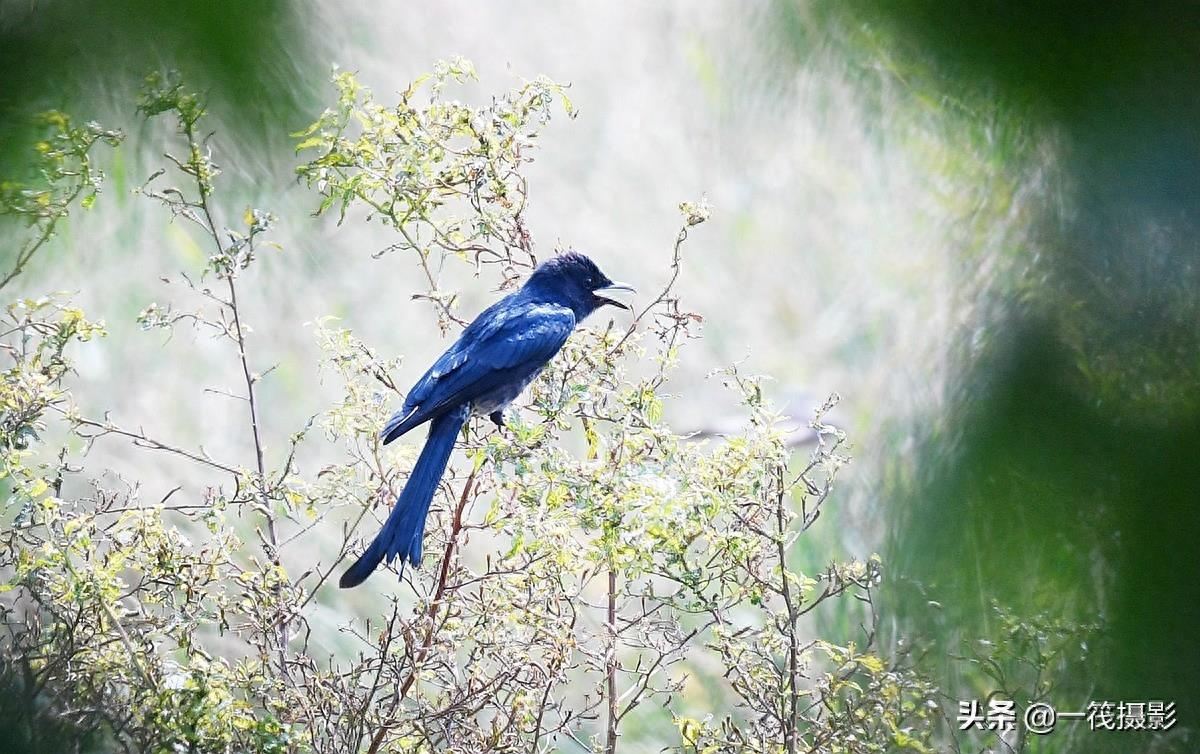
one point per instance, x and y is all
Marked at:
(977, 222)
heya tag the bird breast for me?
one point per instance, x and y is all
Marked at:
(498, 399)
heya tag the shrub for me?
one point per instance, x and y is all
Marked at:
(587, 567)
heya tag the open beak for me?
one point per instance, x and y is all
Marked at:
(603, 294)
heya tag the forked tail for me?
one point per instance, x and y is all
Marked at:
(404, 530)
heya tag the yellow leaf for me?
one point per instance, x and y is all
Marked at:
(871, 663)
(689, 729)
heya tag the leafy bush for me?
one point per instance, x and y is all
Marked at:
(589, 565)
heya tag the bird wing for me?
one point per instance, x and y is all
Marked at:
(508, 342)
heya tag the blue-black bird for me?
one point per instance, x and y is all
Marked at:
(489, 365)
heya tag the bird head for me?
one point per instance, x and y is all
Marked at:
(575, 281)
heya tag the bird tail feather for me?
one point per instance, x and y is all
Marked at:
(404, 530)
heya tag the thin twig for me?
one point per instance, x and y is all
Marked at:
(610, 737)
(142, 440)
(240, 338)
(793, 658)
(434, 604)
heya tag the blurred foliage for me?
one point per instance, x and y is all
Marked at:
(253, 58)
(1054, 477)
(1117, 88)
(1029, 663)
